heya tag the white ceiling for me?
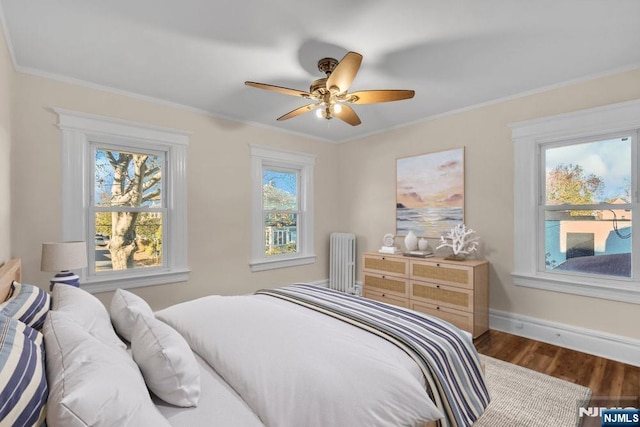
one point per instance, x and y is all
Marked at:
(198, 53)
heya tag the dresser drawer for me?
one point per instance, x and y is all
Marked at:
(442, 295)
(398, 286)
(443, 273)
(386, 297)
(386, 265)
(461, 319)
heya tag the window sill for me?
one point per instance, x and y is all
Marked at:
(625, 291)
(97, 285)
(268, 264)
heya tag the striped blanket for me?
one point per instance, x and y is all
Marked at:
(446, 356)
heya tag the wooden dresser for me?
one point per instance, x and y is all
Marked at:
(456, 291)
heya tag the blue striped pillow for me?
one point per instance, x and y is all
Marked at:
(28, 304)
(23, 382)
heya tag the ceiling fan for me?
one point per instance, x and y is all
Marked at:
(330, 94)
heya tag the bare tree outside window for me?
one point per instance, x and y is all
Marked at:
(129, 209)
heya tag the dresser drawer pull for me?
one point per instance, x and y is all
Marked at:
(438, 286)
(437, 265)
(384, 295)
(383, 277)
(437, 308)
(383, 258)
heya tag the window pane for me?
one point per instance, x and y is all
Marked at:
(281, 233)
(139, 246)
(279, 190)
(127, 179)
(589, 173)
(593, 242)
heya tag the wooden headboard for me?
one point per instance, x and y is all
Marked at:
(9, 272)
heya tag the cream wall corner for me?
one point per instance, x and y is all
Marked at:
(219, 189)
(6, 78)
(367, 192)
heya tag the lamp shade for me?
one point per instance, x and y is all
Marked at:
(63, 256)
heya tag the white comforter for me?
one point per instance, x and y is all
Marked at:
(295, 367)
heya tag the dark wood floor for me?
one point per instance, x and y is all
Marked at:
(612, 382)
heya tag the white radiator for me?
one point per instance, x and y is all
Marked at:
(342, 262)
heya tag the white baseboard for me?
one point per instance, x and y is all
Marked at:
(615, 347)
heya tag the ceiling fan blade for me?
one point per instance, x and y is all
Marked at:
(347, 114)
(342, 76)
(298, 111)
(374, 96)
(279, 89)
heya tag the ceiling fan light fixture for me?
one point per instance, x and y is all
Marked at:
(330, 94)
(324, 112)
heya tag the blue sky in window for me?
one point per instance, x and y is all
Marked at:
(285, 181)
(610, 160)
(103, 179)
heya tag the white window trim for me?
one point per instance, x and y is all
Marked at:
(266, 156)
(528, 136)
(78, 130)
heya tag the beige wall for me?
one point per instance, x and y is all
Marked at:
(218, 182)
(367, 198)
(6, 76)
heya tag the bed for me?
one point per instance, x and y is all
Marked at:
(291, 356)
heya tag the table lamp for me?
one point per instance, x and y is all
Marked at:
(63, 257)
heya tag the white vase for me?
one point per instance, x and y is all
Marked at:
(411, 241)
(423, 244)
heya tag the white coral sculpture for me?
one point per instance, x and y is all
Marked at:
(461, 241)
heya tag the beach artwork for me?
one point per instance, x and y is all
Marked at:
(430, 193)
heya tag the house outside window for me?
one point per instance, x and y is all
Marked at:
(575, 196)
(124, 193)
(282, 208)
(587, 206)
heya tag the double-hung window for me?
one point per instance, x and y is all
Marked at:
(282, 208)
(576, 194)
(128, 209)
(124, 194)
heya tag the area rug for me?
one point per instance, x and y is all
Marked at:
(521, 397)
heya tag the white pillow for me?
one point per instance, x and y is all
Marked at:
(167, 363)
(87, 311)
(91, 383)
(125, 308)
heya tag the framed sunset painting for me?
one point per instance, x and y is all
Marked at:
(430, 193)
